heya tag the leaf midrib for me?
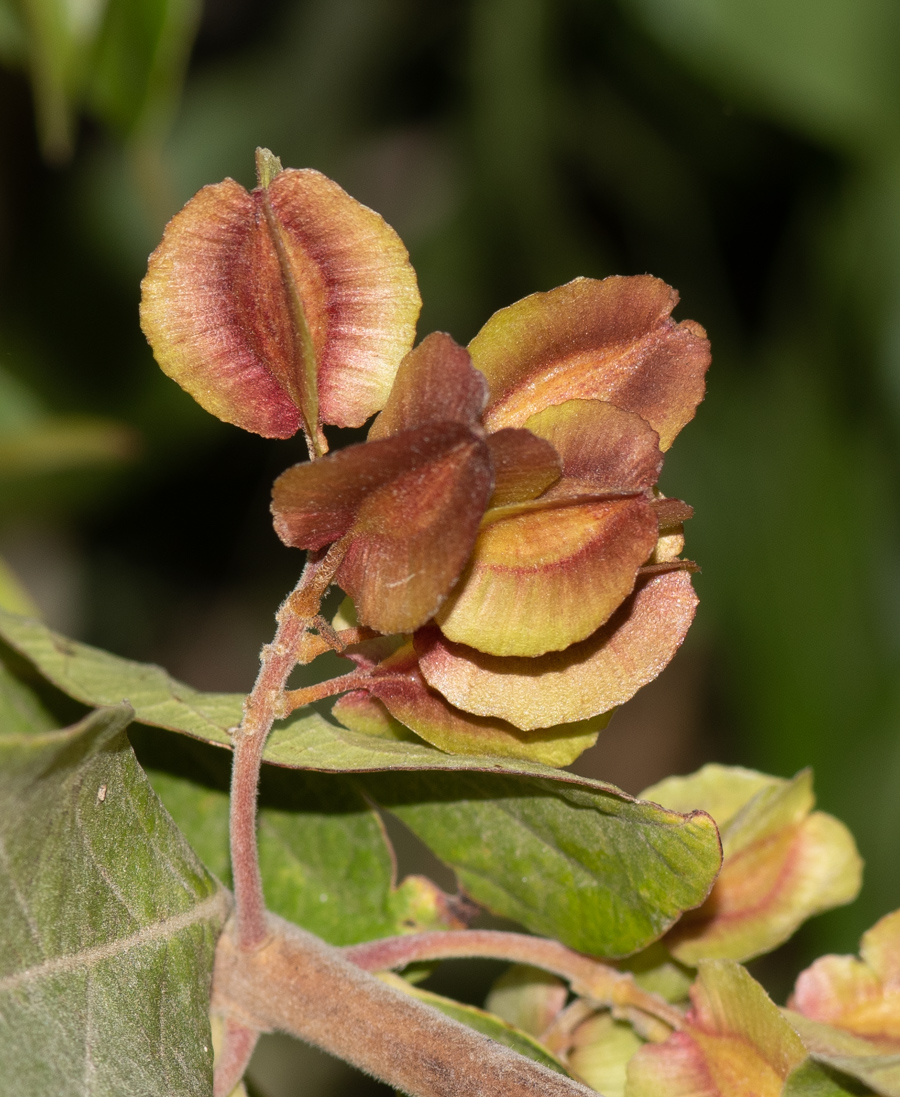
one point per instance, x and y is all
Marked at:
(216, 907)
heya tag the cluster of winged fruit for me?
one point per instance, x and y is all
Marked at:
(501, 523)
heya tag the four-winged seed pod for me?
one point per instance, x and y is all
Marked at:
(502, 519)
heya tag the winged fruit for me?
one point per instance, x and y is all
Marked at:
(502, 517)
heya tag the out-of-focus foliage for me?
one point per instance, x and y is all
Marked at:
(121, 61)
(746, 151)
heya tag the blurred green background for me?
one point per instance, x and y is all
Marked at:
(746, 151)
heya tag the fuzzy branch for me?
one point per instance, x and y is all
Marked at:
(297, 984)
(588, 978)
(265, 705)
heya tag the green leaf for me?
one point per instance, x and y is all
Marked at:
(307, 740)
(139, 63)
(98, 678)
(605, 874)
(601, 1052)
(325, 860)
(854, 1055)
(21, 711)
(578, 844)
(108, 923)
(811, 1079)
(527, 997)
(482, 1021)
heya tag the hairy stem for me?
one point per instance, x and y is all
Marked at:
(299, 698)
(263, 706)
(297, 984)
(588, 977)
(261, 710)
(238, 1043)
(344, 638)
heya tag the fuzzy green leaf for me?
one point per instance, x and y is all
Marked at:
(97, 678)
(307, 740)
(851, 1054)
(811, 1079)
(626, 869)
(21, 711)
(605, 874)
(488, 1024)
(325, 860)
(108, 923)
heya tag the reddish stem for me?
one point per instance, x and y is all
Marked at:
(298, 698)
(260, 712)
(262, 708)
(238, 1043)
(588, 977)
(344, 638)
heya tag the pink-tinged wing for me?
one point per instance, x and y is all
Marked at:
(411, 538)
(407, 697)
(359, 711)
(435, 383)
(767, 889)
(292, 305)
(524, 466)
(366, 297)
(611, 340)
(205, 287)
(861, 996)
(783, 862)
(846, 992)
(880, 948)
(587, 679)
(735, 1043)
(602, 447)
(541, 580)
(676, 1068)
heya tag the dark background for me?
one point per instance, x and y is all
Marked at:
(746, 151)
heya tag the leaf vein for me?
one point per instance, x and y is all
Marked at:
(18, 896)
(216, 906)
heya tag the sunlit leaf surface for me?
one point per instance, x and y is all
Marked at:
(601, 874)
